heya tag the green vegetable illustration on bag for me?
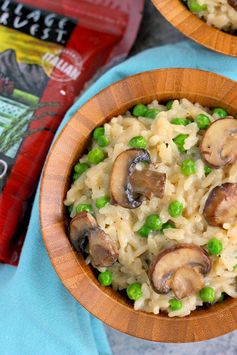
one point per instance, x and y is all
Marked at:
(18, 104)
(14, 120)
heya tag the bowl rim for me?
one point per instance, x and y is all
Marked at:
(80, 283)
(178, 15)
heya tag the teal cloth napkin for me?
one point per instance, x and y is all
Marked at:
(38, 315)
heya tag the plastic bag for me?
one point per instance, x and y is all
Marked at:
(46, 56)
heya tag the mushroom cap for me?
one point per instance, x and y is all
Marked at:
(233, 3)
(221, 205)
(120, 187)
(79, 230)
(170, 260)
(84, 230)
(186, 281)
(219, 144)
(102, 248)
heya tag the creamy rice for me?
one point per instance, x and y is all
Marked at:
(219, 14)
(135, 252)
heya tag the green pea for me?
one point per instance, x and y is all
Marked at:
(175, 208)
(179, 141)
(102, 201)
(207, 294)
(235, 267)
(153, 222)
(169, 104)
(167, 225)
(175, 305)
(215, 246)
(103, 141)
(151, 113)
(220, 112)
(180, 121)
(75, 176)
(99, 131)
(134, 291)
(139, 110)
(84, 207)
(207, 170)
(80, 168)
(144, 231)
(188, 167)
(105, 278)
(138, 142)
(202, 121)
(95, 156)
(194, 6)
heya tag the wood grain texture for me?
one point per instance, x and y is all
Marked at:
(111, 307)
(198, 30)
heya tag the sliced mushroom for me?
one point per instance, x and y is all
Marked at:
(148, 182)
(221, 205)
(80, 229)
(102, 249)
(186, 281)
(219, 144)
(126, 183)
(84, 231)
(171, 269)
(233, 3)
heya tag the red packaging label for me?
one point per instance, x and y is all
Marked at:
(46, 55)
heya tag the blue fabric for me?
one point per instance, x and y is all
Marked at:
(38, 315)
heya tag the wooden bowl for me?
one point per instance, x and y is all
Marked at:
(198, 30)
(112, 307)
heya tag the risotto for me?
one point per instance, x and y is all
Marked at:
(153, 206)
(218, 13)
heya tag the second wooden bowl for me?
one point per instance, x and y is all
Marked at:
(78, 277)
(198, 30)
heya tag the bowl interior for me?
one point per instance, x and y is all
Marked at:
(112, 307)
(198, 30)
